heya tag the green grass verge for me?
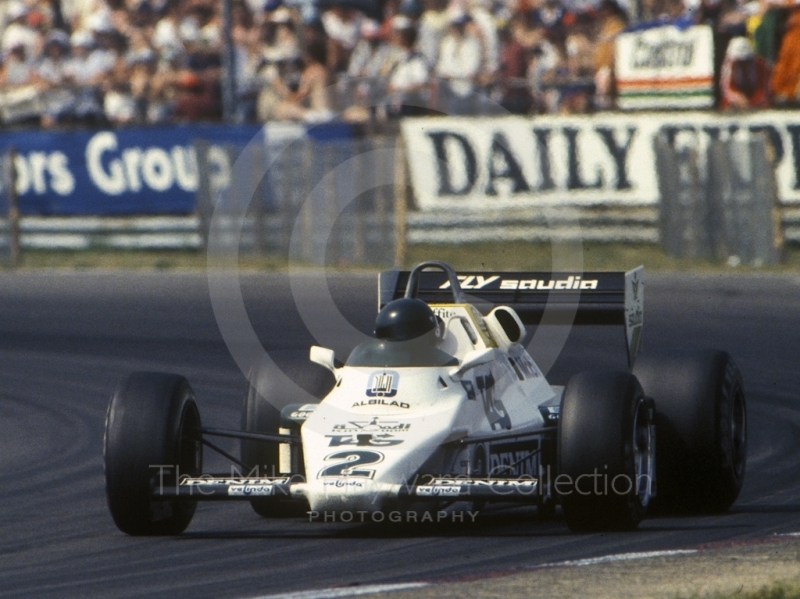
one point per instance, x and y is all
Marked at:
(777, 590)
(138, 260)
(478, 256)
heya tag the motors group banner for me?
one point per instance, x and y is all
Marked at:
(665, 67)
(517, 162)
(136, 170)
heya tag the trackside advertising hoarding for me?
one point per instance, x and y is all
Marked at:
(665, 67)
(136, 170)
(519, 162)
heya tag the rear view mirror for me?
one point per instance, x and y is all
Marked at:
(323, 356)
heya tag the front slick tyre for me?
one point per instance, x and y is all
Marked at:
(606, 452)
(151, 437)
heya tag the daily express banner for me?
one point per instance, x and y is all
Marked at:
(517, 162)
(137, 170)
(665, 67)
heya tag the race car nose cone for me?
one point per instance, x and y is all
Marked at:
(346, 493)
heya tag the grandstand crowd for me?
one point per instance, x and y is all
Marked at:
(118, 62)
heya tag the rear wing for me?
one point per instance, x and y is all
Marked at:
(587, 298)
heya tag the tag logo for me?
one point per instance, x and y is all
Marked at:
(383, 384)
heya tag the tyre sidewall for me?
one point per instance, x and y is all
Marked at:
(695, 392)
(142, 436)
(595, 437)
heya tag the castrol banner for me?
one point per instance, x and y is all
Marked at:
(665, 67)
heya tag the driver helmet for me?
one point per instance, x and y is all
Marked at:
(405, 319)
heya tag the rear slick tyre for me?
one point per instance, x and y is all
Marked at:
(606, 452)
(702, 429)
(151, 438)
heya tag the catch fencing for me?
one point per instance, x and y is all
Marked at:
(316, 201)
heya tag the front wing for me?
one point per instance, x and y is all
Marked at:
(524, 489)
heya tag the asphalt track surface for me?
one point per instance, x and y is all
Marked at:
(66, 339)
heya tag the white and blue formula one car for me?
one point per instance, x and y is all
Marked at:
(446, 406)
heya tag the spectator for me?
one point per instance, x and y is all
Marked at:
(163, 85)
(577, 89)
(76, 12)
(786, 74)
(554, 18)
(370, 64)
(515, 95)
(767, 33)
(102, 60)
(279, 37)
(483, 26)
(341, 26)
(119, 102)
(278, 67)
(612, 21)
(310, 103)
(18, 32)
(21, 101)
(744, 79)
(727, 21)
(142, 67)
(84, 77)
(198, 95)
(153, 60)
(166, 34)
(54, 75)
(545, 59)
(142, 14)
(412, 9)
(372, 57)
(247, 60)
(407, 90)
(432, 28)
(196, 98)
(459, 65)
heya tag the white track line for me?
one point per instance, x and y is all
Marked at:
(619, 557)
(337, 592)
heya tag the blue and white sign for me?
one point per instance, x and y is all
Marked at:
(136, 170)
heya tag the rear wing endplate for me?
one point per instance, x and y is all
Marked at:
(587, 298)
